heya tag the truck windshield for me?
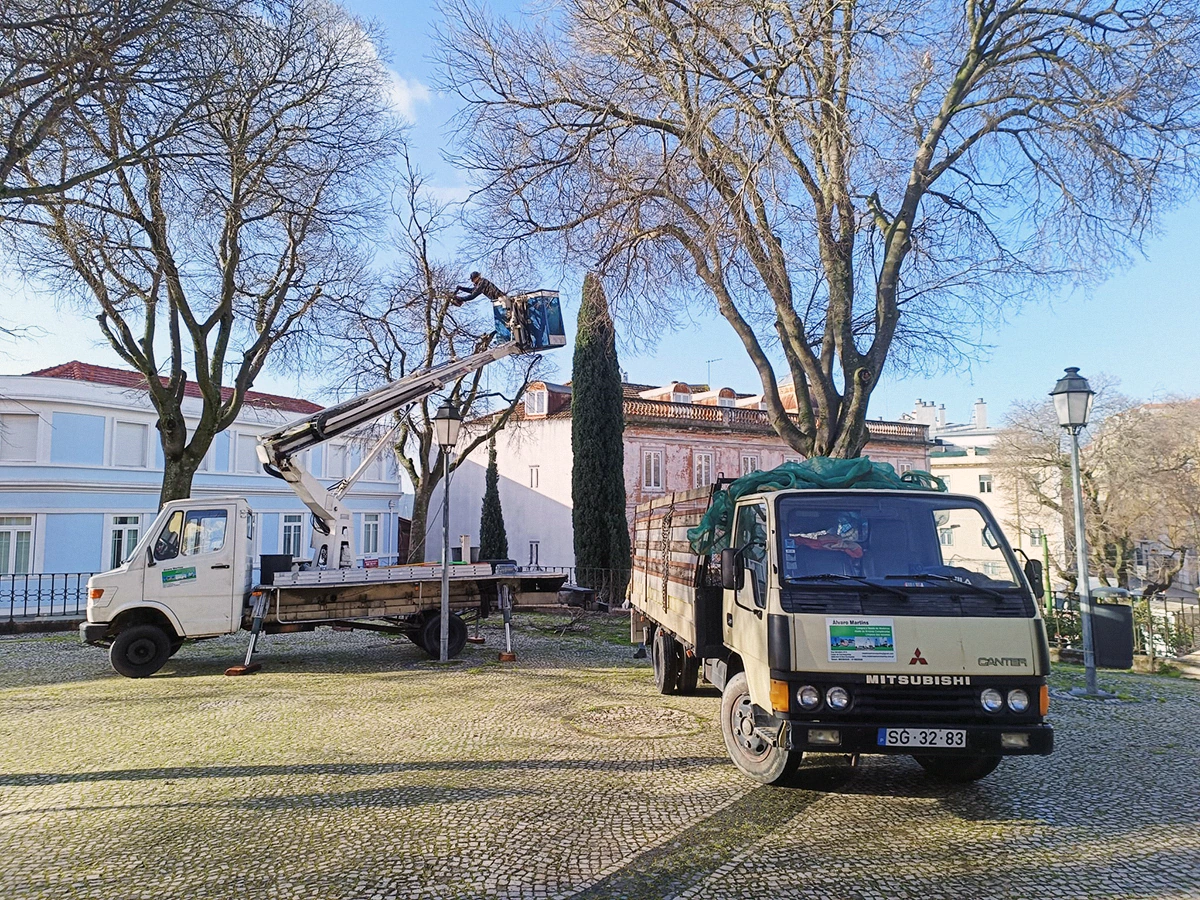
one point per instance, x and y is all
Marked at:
(889, 538)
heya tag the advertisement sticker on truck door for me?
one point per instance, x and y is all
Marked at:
(860, 639)
(175, 576)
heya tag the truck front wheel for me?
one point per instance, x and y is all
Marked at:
(960, 769)
(750, 752)
(139, 651)
(665, 656)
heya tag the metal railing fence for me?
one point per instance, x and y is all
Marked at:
(41, 595)
(1162, 626)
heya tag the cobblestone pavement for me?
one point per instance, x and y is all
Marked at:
(353, 768)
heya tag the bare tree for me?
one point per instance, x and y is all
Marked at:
(61, 63)
(210, 255)
(850, 181)
(412, 324)
(1140, 473)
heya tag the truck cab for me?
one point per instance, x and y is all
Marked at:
(189, 577)
(873, 621)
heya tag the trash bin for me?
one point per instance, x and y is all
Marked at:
(1112, 628)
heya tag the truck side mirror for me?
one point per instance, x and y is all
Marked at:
(1033, 571)
(733, 575)
(150, 555)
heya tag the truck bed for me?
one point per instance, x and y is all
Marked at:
(392, 592)
(667, 575)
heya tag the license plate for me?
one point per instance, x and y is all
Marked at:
(922, 737)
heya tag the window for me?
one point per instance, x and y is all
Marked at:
(534, 476)
(535, 403)
(793, 459)
(985, 484)
(192, 533)
(749, 463)
(726, 401)
(903, 467)
(750, 538)
(335, 461)
(247, 459)
(1036, 533)
(374, 470)
(18, 438)
(125, 533)
(702, 469)
(129, 445)
(652, 469)
(370, 533)
(16, 544)
(293, 525)
(946, 536)
(534, 548)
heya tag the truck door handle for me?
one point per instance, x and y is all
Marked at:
(729, 619)
(220, 566)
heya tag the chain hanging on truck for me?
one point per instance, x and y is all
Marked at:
(666, 552)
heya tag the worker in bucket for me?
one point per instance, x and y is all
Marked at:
(513, 307)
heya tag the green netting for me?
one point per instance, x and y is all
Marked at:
(712, 534)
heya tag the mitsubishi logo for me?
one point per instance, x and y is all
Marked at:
(918, 658)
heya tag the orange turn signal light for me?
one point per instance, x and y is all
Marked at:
(95, 593)
(1044, 699)
(780, 695)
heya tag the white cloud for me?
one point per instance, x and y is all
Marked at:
(405, 94)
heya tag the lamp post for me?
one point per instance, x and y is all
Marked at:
(446, 422)
(1073, 404)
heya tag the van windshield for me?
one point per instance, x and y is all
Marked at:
(892, 540)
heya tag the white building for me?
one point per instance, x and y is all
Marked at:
(81, 468)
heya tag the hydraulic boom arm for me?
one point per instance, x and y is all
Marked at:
(279, 451)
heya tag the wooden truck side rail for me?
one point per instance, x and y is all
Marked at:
(666, 572)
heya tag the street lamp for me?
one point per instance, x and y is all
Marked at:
(446, 423)
(1073, 404)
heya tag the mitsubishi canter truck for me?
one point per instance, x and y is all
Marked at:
(849, 620)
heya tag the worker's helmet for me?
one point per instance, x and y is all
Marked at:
(475, 276)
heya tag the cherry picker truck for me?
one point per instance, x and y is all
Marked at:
(191, 575)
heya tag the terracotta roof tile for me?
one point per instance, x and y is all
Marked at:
(81, 371)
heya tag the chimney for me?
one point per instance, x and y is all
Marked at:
(941, 416)
(980, 413)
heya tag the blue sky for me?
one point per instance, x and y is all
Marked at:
(1141, 326)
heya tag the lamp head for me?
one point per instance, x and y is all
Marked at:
(446, 423)
(1073, 400)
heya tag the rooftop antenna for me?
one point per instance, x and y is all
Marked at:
(709, 363)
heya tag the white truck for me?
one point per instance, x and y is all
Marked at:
(847, 621)
(191, 575)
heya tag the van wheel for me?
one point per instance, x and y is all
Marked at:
(431, 636)
(665, 657)
(139, 651)
(959, 769)
(756, 757)
(176, 644)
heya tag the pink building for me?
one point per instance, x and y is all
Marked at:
(677, 436)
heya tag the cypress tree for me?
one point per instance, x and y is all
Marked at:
(597, 445)
(493, 540)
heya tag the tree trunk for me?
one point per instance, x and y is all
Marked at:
(177, 479)
(420, 519)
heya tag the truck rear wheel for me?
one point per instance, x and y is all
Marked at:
(689, 674)
(753, 754)
(431, 636)
(960, 769)
(139, 651)
(665, 657)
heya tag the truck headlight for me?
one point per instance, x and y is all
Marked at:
(991, 700)
(1018, 700)
(837, 698)
(809, 697)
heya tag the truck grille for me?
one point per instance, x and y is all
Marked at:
(946, 704)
